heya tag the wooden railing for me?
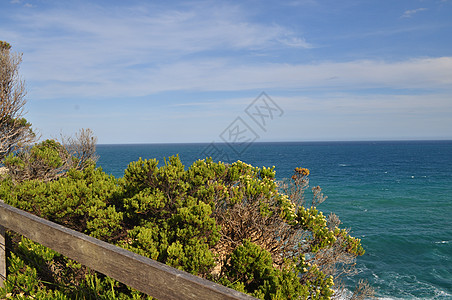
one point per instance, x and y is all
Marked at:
(139, 272)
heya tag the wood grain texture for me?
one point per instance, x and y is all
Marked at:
(144, 274)
(2, 255)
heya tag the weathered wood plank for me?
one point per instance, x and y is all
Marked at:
(2, 255)
(144, 274)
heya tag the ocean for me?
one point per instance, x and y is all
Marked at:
(395, 195)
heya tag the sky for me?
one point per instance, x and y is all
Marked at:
(233, 71)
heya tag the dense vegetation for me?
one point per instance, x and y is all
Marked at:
(227, 223)
(230, 223)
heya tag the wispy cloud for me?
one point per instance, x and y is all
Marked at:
(155, 70)
(25, 4)
(300, 2)
(151, 30)
(409, 13)
(296, 42)
(93, 48)
(225, 75)
(97, 52)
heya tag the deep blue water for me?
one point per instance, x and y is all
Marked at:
(395, 196)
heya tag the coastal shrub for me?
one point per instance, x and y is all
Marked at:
(230, 223)
(202, 218)
(169, 219)
(50, 159)
(82, 200)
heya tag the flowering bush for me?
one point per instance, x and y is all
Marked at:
(229, 223)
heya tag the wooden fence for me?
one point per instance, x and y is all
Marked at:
(139, 272)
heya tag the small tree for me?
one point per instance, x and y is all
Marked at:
(49, 159)
(15, 131)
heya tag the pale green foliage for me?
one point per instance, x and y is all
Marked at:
(15, 131)
(49, 159)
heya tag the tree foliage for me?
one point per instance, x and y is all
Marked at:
(15, 131)
(51, 159)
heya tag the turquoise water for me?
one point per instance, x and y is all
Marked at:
(395, 196)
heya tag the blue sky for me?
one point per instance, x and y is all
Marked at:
(184, 71)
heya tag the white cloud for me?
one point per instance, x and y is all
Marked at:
(128, 57)
(26, 4)
(409, 13)
(148, 31)
(225, 75)
(300, 2)
(92, 49)
(126, 52)
(296, 42)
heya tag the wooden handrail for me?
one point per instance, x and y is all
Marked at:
(139, 272)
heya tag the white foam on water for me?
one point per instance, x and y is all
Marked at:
(404, 287)
(442, 294)
(442, 242)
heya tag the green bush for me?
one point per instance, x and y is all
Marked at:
(81, 201)
(230, 223)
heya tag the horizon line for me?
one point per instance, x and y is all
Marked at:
(286, 141)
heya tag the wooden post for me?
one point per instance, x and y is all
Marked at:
(2, 255)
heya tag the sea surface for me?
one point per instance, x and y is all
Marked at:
(395, 196)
